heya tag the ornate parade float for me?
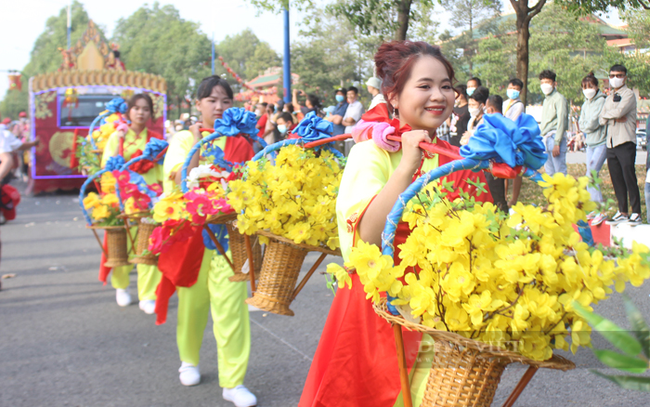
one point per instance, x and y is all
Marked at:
(64, 103)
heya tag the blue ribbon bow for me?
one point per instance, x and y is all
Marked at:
(114, 163)
(504, 141)
(236, 120)
(117, 105)
(153, 148)
(313, 128)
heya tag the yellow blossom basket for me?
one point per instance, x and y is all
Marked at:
(466, 372)
(283, 258)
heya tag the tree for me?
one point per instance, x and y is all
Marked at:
(388, 19)
(468, 14)
(524, 15)
(246, 54)
(328, 56)
(157, 40)
(45, 55)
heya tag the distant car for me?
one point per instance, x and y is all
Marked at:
(641, 139)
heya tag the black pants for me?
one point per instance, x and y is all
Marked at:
(620, 161)
(497, 187)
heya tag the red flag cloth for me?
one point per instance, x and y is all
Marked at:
(180, 266)
(103, 270)
(356, 360)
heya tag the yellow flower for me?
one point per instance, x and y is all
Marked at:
(101, 212)
(110, 200)
(91, 201)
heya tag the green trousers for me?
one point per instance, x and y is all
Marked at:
(420, 372)
(231, 326)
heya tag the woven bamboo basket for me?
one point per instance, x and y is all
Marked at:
(117, 253)
(466, 372)
(279, 274)
(142, 244)
(240, 255)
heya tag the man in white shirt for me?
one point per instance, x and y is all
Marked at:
(374, 88)
(354, 111)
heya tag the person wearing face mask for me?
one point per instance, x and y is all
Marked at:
(514, 106)
(595, 137)
(555, 122)
(619, 118)
(472, 84)
(476, 104)
(354, 111)
(339, 111)
(285, 124)
(512, 109)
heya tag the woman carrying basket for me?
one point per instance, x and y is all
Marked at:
(356, 362)
(213, 291)
(129, 142)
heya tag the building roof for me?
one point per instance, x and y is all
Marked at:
(270, 77)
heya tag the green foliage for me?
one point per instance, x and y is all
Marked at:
(380, 17)
(157, 40)
(45, 55)
(636, 358)
(276, 6)
(328, 55)
(470, 15)
(246, 54)
(594, 6)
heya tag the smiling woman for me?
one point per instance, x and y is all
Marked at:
(356, 363)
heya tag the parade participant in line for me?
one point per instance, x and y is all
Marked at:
(595, 136)
(555, 123)
(130, 143)
(356, 363)
(213, 291)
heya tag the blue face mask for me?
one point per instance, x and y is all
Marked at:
(470, 91)
(340, 98)
(282, 128)
(512, 94)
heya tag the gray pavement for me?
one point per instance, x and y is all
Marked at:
(64, 341)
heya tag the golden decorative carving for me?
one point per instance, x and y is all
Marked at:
(41, 102)
(74, 77)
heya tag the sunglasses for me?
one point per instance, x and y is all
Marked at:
(618, 75)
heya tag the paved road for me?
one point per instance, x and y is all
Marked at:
(64, 341)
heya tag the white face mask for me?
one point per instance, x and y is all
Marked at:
(589, 93)
(546, 88)
(282, 128)
(474, 111)
(616, 82)
(470, 91)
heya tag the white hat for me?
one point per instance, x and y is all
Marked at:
(374, 82)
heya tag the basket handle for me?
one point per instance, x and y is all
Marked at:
(92, 125)
(196, 147)
(82, 193)
(276, 146)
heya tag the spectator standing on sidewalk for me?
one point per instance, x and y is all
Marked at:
(339, 111)
(555, 121)
(595, 137)
(619, 118)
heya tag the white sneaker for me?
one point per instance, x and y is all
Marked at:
(189, 374)
(122, 297)
(240, 396)
(148, 306)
